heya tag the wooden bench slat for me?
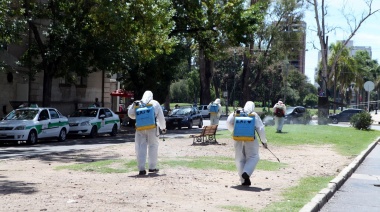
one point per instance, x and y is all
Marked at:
(207, 135)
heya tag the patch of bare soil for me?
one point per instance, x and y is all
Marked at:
(32, 184)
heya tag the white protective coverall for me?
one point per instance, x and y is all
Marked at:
(279, 121)
(247, 152)
(214, 118)
(148, 139)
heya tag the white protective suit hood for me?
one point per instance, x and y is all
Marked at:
(147, 97)
(249, 107)
(217, 101)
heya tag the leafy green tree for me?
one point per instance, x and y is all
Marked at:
(324, 27)
(193, 85)
(114, 36)
(271, 44)
(310, 99)
(344, 72)
(214, 25)
(12, 24)
(179, 91)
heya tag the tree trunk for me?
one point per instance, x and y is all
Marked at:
(205, 68)
(47, 86)
(245, 80)
(216, 87)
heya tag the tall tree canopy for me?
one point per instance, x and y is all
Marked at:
(74, 38)
(215, 25)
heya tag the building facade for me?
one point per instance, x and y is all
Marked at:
(17, 88)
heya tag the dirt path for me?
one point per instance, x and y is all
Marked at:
(32, 184)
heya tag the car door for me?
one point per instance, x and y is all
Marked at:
(345, 116)
(196, 116)
(44, 122)
(102, 119)
(54, 125)
(109, 120)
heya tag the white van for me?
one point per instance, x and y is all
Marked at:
(204, 111)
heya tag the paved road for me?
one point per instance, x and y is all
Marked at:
(8, 151)
(361, 192)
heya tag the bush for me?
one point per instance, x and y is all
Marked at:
(361, 121)
(306, 117)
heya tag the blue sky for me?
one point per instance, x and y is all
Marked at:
(368, 34)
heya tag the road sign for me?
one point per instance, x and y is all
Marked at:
(369, 86)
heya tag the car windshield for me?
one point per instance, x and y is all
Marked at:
(183, 111)
(22, 114)
(85, 113)
(289, 110)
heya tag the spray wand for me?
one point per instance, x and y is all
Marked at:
(266, 147)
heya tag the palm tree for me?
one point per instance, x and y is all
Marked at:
(366, 69)
(345, 68)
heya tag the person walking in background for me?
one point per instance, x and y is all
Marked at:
(96, 103)
(215, 110)
(243, 125)
(149, 119)
(279, 115)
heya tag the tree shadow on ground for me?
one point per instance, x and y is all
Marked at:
(11, 187)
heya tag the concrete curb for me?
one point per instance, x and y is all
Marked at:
(325, 194)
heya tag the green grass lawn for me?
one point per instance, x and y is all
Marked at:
(347, 141)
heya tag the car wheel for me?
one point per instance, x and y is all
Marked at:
(190, 125)
(200, 125)
(62, 135)
(114, 130)
(32, 138)
(335, 121)
(94, 132)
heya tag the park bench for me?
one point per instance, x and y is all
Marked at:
(207, 136)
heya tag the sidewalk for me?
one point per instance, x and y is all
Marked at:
(356, 188)
(375, 117)
(361, 192)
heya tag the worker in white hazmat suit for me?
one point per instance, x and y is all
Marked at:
(279, 110)
(247, 148)
(215, 110)
(149, 119)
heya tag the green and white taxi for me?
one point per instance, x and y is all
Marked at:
(30, 124)
(92, 121)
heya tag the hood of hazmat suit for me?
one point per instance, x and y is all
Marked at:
(249, 107)
(147, 97)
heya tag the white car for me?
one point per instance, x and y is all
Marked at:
(92, 121)
(204, 111)
(30, 124)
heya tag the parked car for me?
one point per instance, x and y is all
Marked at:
(164, 110)
(295, 115)
(32, 123)
(92, 121)
(204, 111)
(184, 117)
(344, 116)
